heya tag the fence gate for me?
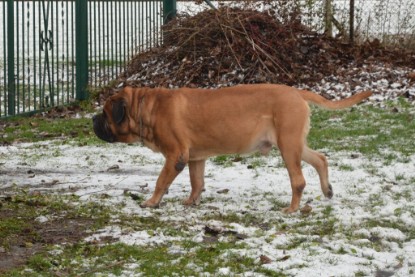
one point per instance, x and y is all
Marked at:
(51, 51)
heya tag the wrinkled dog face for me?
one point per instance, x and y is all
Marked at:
(113, 125)
(102, 129)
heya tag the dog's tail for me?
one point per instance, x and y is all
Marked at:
(334, 105)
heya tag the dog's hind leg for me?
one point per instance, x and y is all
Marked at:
(291, 150)
(174, 164)
(319, 162)
(197, 172)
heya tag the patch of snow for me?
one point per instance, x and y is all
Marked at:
(41, 219)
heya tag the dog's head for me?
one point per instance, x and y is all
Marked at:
(115, 123)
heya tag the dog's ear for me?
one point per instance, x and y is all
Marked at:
(118, 111)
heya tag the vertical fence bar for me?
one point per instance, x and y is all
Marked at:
(150, 23)
(11, 86)
(117, 38)
(128, 34)
(111, 48)
(34, 54)
(67, 48)
(125, 38)
(136, 25)
(56, 44)
(107, 48)
(90, 55)
(46, 67)
(81, 30)
(95, 40)
(145, 24)
(140, 25)
(114, 36)
(52, 46)
(100, 39)
(17, 51)
(41, 93)
(24, 59)
(60, 50)
(29, 10)
(3, 87)
(73, 49)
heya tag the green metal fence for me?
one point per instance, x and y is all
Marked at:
(52, 51)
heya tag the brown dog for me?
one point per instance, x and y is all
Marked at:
(189, 125)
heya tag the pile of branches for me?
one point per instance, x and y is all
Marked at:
(230, 46)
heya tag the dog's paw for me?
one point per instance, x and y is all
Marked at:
(149, 204)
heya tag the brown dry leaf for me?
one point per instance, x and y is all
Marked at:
(223, 191)
(264, 259)
(114, 167)
(286, 257)
(306, 209)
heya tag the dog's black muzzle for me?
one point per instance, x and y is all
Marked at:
(101, 128)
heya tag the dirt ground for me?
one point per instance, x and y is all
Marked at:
(36, 236)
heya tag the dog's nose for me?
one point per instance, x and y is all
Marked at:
(94, 117)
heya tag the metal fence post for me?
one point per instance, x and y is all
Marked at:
(169, 10)
(11, 82)
(81, 52)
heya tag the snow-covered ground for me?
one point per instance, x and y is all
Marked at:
(371, 215)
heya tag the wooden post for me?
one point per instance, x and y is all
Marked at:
(328, 11)
(351, 22)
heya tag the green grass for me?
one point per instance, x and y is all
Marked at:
(83, 259)
(33, 129)
(224, 160)
(105, 63)
(366, 129)
(346, 167)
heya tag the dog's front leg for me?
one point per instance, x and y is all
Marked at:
(173, 166)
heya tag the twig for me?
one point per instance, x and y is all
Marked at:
(229, 44)
(257, 47)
